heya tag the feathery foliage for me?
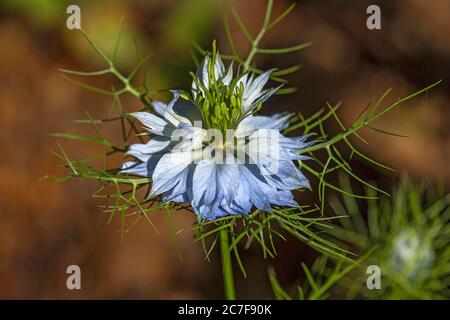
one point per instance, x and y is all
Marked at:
(411, 237)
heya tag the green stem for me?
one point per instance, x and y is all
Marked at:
(227, 269)
(259, 37)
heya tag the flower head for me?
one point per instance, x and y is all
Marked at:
(412, 254)
(209, 148)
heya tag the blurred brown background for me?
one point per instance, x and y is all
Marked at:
(45, 226)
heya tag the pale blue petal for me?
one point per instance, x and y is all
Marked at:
(204, 182)
(180, 198)
(219, 68)
(280, 121)
(229, 76)
(287, 177)
(239, 205)
(251, 123)
(284, 198)
(243, 80)
(258, 190)
(186, 110)
(159, 107)
(179, 191)
(202, 77)
(151, 122)
(171, 116)
(262, 98)
(169, 170)
(136, 168)
(143, 151)
(228, 180)
(253, 89)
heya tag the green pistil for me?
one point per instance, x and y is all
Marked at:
(222, 106)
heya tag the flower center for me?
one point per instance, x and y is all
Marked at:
(221, 106)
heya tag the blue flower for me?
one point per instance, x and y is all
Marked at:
(209, 148)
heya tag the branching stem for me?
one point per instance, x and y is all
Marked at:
(259, 37)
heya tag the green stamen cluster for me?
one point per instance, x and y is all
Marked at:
(222, 106)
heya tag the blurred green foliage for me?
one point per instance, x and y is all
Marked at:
(43, 13)
(407, 236)
(411, 234)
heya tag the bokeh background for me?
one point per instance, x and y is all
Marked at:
(46, 226)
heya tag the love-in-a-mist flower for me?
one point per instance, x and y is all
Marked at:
(209, 148)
